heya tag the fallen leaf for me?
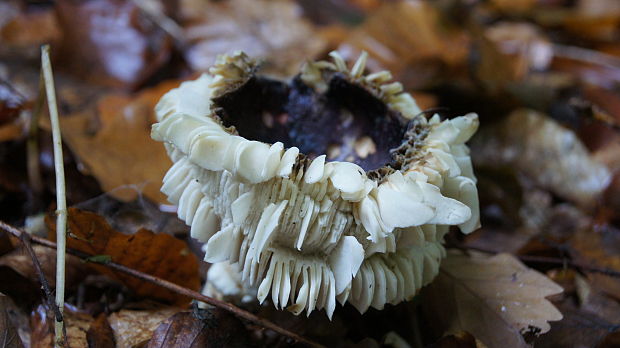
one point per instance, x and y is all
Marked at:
(545, 152)
(271, 30)
(217, 328)
(76, 325)
(417, 33)
(9, 337)
(25, 292)
(133, 327)
(28, 29)
(20, 261)
(160, 255)
(11, 103)
(100, 334)
(460, 339)
(110, 42)
(510, 51)
(496, 298)
(5, 243)
(120, 151)
(599, 247)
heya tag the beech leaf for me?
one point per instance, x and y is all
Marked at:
(160, 255)
(495, 298)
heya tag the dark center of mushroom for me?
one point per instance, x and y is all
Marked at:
(346, 122)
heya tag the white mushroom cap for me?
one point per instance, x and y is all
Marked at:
(308, 232)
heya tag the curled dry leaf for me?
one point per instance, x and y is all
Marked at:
(9, 337)
(217, 328)
(121, 151)
(160, 255)
(133, 327)
(544, 151)
(495, 298)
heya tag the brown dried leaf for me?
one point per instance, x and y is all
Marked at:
(8, 334)
(100, 334)
(495, 298)
(160, 255)
(133, 327)
(416, 33)
(110, 42)
(599, 247)
(218, 329)
(20, 261)
(121, 151)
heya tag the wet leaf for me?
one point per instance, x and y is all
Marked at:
(9, 337)
(495, 298)
(120, 150)
(217, 328)
(133, 327)
(160, 255)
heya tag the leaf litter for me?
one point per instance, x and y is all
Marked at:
(537, 72)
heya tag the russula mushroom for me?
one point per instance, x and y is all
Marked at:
(252, 177)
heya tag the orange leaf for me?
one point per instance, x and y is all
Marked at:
(160, 255)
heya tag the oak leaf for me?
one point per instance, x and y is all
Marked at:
(160, 255)
(495, 298)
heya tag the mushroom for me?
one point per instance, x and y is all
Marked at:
(251, 178)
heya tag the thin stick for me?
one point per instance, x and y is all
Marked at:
(551, 261)
(49, 297)
(172, 287)
(61, 200)
(166, 23)
(586, 55)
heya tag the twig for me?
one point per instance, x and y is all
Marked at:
(166, 23)
(61, 200)
(32, 145)
(49, 297)
(172, 287)
(586, 55)
(552, 261)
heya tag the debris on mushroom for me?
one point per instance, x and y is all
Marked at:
(224, 283)
(363, 225)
